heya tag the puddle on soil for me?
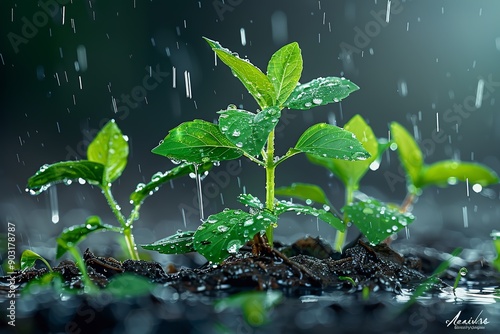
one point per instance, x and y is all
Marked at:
(381, 312)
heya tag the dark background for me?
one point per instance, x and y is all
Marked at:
(428, 58)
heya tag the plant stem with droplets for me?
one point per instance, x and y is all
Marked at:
(408, 202)
(127, 226)
(341, 236)
(80, 263)
(270, 175)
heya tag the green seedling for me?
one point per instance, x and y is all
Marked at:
(348, 279)
(255, 306)
(377, 220)
(496, 243)
(251, 134)
(107, 158)
(461, 273)
(432, 282)
(28, 259)
(442, 173)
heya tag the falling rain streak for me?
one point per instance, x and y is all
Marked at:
(479, 93)
(199, 191)
(466, 216)
(174, 77)
(243, 37)
(54, 205)
(187, 80)
(388, 12)
(402, 88)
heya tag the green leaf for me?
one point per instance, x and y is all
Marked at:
(142, 191)
(197, 142)
(447, 172)
(286, 206)
(330, 141)
(496, 243)
(65, 171)
(179, 243)
(409, 153)
(253, 79)
(129, 285)
(284, 71)
(246, 130)
(319, 92)
(224, 233)
(71, 236)
(251, 201)
(351, 172)
(28, 259)
(383, 145)
(109, 148)
(376, 220)
(304, 191)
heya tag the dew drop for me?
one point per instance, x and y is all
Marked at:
(222, 228)
(233, 246)
(248, 222)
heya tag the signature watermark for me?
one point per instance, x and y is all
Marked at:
(472, 323)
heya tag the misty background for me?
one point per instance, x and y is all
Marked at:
(66, 68)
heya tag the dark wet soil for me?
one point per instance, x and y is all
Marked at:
(307, 266)
(318, 298)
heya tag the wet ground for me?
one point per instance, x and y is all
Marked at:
(311, 287)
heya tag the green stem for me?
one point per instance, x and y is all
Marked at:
(289, 154)
(270, 175)
(129, 240)
(254, 159)
(126, 226)
(408, 202)
(114, 206)
(134, 214)
(341, 236)
(89, 286)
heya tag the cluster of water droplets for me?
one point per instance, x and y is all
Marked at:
(317, 92)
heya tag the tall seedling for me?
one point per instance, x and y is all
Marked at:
(244, 133)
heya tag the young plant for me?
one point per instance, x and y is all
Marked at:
(377, 220)
(374, 219)
(496, 243)
(107, 158)
(442, 173)
(28, 259)
(243, 133)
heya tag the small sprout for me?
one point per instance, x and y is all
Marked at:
(348, 279)
(107, 158)
(496, 243)
(366, 293)
(28, 259)
(461, 273)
